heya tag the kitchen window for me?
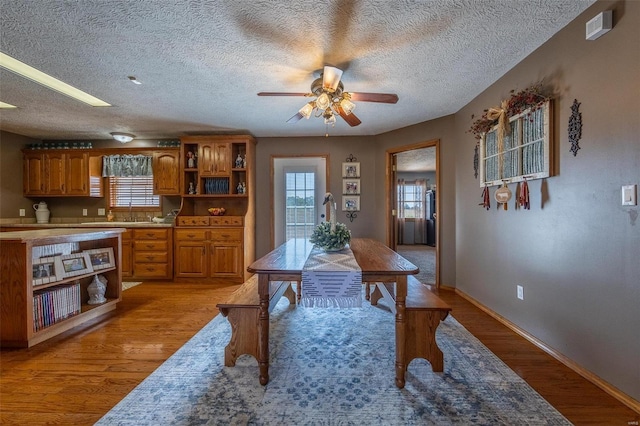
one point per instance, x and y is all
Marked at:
(135, 192)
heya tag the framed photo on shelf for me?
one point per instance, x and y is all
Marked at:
(101, 258)
(351, 203)
(351, 186)
(75, 264)
(45, 270)
(350, 170)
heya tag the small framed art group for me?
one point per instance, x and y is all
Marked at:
(351, 186)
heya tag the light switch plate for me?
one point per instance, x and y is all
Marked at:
(101, 212)
(630, 195)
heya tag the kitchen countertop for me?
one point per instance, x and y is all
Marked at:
(88, 225)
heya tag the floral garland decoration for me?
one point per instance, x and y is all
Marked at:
(532, 98)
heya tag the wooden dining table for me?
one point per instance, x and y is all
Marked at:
(378, 264)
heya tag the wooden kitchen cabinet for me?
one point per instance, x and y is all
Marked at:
(127, 254)
(32, 311)
(62, 173)
(166, 172)
(209, 253)
(152, 257)
(222, 174)
(215, 159)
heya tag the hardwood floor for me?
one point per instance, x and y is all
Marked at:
(78, 376)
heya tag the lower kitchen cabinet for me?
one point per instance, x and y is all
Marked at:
(209, 253)
(151, 253)
(146, 254)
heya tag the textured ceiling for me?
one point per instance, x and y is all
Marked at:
(202, 62)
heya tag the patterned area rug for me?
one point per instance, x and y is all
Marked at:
(332, 367)
(128, 284)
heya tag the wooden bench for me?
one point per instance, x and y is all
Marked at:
(424, 311)
(243, 309)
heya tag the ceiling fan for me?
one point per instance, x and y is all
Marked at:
(331, 99)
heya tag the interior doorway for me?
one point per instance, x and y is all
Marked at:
(413, 206)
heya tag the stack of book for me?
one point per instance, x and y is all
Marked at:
(55, 305)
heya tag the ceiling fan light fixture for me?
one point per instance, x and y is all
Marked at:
(347, 106)
(123, 137)
(323, 101)
(306, 110)
(331, 78)
(329, 118)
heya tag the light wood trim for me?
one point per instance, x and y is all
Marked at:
(272, 183)
(588, 375)
(390, 186)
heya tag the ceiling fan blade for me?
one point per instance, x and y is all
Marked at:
(284, 94)
(295, 118)
(351, 119)
(385, 98)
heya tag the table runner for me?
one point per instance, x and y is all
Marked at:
(331, 280)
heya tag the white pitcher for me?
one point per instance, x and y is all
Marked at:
(42, 212)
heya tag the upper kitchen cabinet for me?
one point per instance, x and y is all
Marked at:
(57, 173)
(166, 172)
(215, 158)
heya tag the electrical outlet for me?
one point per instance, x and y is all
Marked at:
(84, 212)
(22, 213)
(101, 212)
(520, 292)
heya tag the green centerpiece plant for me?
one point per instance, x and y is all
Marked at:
(332, 235)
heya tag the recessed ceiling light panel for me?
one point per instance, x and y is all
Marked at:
(46, 80)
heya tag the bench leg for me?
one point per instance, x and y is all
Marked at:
(421, 337)
(244, 337)
(290, 294)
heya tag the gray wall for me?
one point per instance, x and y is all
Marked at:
(577, 251)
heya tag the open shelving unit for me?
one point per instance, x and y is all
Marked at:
(18, 313)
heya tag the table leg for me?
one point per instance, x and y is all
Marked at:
(401, 328)
(263, 328)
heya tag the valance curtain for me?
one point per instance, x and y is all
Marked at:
(126, 165)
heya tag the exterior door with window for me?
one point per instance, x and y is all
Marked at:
(299, 189)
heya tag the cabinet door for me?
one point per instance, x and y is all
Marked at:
(127, 253)
(166, 173)
(55, 173)
(215, 159)
(226, 260)
(33, 175)
(77, 176)
(190, 260)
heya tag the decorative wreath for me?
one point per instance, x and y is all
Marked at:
(331, 241)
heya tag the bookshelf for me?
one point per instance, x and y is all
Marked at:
(42, 292)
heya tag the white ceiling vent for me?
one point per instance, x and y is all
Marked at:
(599, 25)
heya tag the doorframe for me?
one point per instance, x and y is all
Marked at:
(391, 190)
(272, 231)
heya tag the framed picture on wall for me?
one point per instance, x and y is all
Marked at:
(351, 186)
(351, 203)
(350, 170)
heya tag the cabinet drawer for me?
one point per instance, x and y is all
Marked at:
(150, 270)
(150, 245)
(226, 235)
(191, 234)
(150, 234)
(151, 257)
(226, 220)
(193, 221)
